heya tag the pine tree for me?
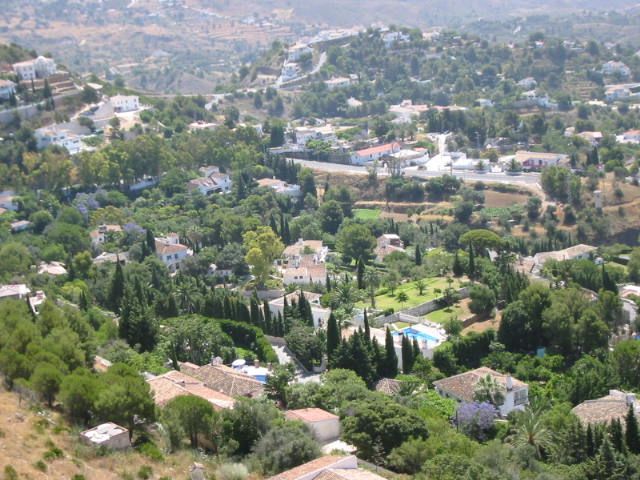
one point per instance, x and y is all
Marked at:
(116, 290)
(360, 274)
(458, 269)
(418, 255)
(333, 336)
(632, 436)
(391, 358)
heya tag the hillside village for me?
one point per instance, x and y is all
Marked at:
(400, 254)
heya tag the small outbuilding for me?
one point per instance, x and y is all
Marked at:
(107, 435)
(324, 426)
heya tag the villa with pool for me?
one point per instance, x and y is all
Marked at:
(428, 334)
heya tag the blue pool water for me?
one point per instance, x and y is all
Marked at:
(413, 333)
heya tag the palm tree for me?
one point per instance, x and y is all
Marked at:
(489, 390)
(531, 430)
(372, 283)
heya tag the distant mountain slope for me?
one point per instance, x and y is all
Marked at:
(411, 12)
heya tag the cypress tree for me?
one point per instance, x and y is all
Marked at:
(268, 327)
(333, 336)
(116, 291)
(286, 235)
(457, 268)
(282, 220)
(328, 283)
(617, 437)
(151, 241)
(272, 223)
(472, 263)
(280, 326)
(172, 307)
(390, 357)
(83, 301)
(632, 436)
(591, 448)
(416, 351)
(254, 311)
(407, 355)
(367, 330)
(360, 274)
(418, 255)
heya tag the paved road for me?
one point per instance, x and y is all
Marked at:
(530, 179)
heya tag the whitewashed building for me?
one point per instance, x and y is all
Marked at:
(40, 67)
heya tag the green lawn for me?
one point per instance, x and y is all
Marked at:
(385, 300)
(461, 311)
(366, 213)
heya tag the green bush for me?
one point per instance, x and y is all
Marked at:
(151, 450)
(145, 472)
(10, 473)
(53, 453)
(40, 465)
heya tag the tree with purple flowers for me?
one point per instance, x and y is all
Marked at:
(476, 419)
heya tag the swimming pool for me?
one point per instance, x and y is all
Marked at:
(413, 333)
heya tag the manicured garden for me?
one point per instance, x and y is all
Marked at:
(434, 288)
(460, 311)
(366, 213)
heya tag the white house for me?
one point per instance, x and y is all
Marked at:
(20, 226)
(325, 133)
(294, 254)
(36, 301)
(538, 99)
(125, 103)
(390, 38)
(576, 252)
(631, 136)
(290, 71)
(67, 135)
(281, 187)
(297, 51)
(528, 83)
(340, 82)
(406, 111)
(40, 67)
(107, 435)
(319, 313)
(324, 426)
(305, 274)
(17, 291)
(171, 252)
(8, 200)
(374, 153)
(7, 88)
(539, 160)
(387, 244)
(212, 182)
(462, 388)
(99, 235)
(616, 68)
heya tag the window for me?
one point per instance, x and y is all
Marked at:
(520, 397)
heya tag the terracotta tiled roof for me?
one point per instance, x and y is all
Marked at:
(318, 465)
(173, 384)
(310, 415)
(386, 148)
(298, 248)
(604, 410)
(225, 380)
(463, 386)
(169, 249)
(388, 386)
